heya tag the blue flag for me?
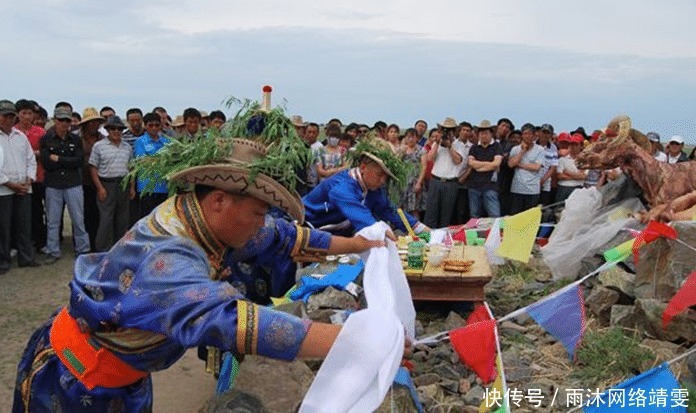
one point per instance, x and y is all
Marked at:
(655, 391)
(562, 314)
(340, 278)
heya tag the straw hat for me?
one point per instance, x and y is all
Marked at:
(90, 114)
(448, 123)
(297, 120)
(178, 121)
(484, 124)
(234, 176)
(380, 163)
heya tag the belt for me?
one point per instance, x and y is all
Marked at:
(90, 363)
(445, 179)
(116, 180)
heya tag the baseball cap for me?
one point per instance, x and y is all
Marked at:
(576, 138)
(653, 136)
(7, 107)
(547, 127)
(676, 138)
(62, 113)
(564, 137)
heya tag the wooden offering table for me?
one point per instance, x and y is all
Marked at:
(436, 284)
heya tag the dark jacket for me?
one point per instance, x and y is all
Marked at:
(66, 172)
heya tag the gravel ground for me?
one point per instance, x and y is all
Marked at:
(28, 296)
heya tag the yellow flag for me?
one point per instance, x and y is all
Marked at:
(519, 235)
(281, 300)
(495, 396)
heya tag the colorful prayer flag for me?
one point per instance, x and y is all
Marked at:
(655, 391)
(495, 400)
(562, 314)
(683, 299)
(520, 234)
(479, 314)
(652, 231)
(493, 243)
(476, 346)
(619, 252)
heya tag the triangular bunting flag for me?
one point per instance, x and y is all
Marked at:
(653, 231)
(476, 346)
(683, 299)
(562, 314)
(655, 391)
(493, 243)
(520, 234)
(480, 313)
(495, 398)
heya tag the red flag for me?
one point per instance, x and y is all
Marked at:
(475, 344)
(683, 299)
(459, 236)
(653, 231)
(480, 313)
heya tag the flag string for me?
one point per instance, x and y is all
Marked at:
(674, 360)
(442, 336)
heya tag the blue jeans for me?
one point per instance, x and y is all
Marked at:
(55, 200)
(488, 199)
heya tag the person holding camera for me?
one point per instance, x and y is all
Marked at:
(447, 153)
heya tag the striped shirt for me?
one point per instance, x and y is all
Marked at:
(110, 160)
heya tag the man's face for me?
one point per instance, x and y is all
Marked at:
(311, 134)
(153, 128)
(217, 123)
(465, 133)
(240, 219)
(373, 176)
(192, 124)
(26, 116)
(503, 130)
(62, 126)
(393, 135)
(300, 130)
(421, 127)
(107, 114)
(7, 122)
(115, 134)
(91, 127)
(674, 148)
(485, 136)
(544, 137)
(75, 123)
(135, 121)
(528, 136)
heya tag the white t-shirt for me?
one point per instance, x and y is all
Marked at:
(660, 156)
(527, 182)
(567, 164)
(444, 166)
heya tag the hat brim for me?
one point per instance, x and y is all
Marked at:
(7, 112)
(447, 126)
(90, 118)
(380, 163)
(235, 178)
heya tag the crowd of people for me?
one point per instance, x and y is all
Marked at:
(199, 268)
(458, 170)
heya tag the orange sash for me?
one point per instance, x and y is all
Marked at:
(92, 365)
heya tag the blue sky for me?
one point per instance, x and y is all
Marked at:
(565, 63)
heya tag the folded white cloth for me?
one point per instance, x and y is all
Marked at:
(360, 368)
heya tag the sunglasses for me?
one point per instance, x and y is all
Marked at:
(63, 120)
(114, 129)
(154, 125)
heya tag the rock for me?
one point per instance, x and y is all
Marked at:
(398, 399)
(420, 356)
(623, 316)
(322, 316)
(516, 370)
(331, 298)
(296, 308)
(599, 303)
(446, 371)
(533, 286)
(619, 280)
(691, 363)
(508, 326)
(450, 386)
(664, 351)
(426, 379)
(648, 315)
(234, 402)
(464, 386)
(430, 391)
(474, 396)
(256, 387)
(419, 328)
(665, 264)
(453, 322)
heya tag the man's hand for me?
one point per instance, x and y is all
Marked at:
(389, 234)
(362, 244)
(131, 193)
(101, 194)
(53, 157)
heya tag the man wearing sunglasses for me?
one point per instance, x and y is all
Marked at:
(147, 145)
(62, 157)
